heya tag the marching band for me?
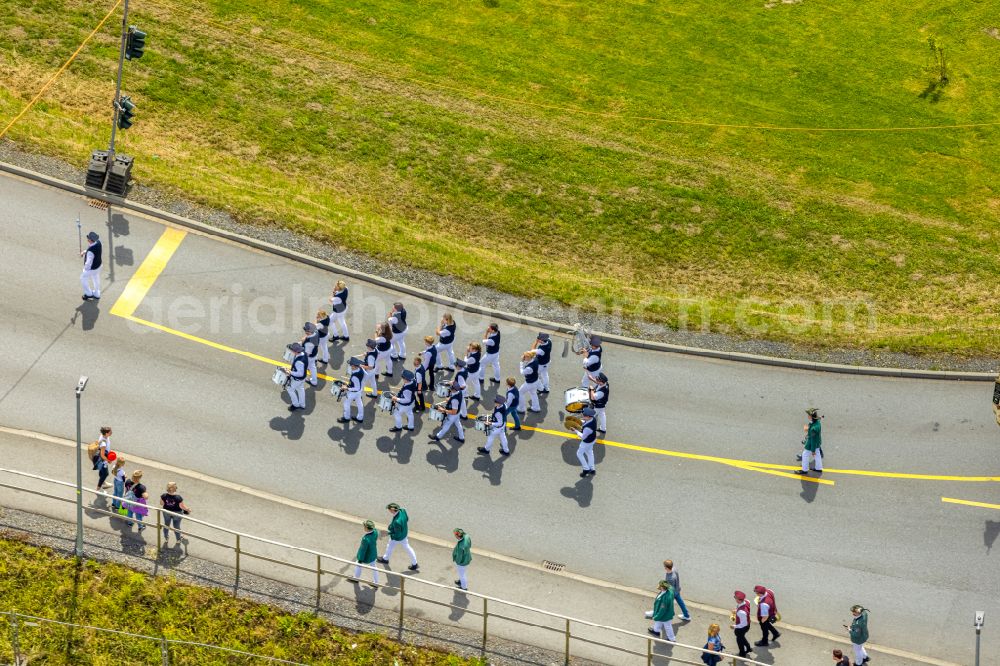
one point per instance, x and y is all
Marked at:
(585, 404)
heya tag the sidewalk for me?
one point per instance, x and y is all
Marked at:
(243, 509)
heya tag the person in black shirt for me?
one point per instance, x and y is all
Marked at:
(173, 506)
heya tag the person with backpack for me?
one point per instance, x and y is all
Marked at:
(859, 633)
(713, 646)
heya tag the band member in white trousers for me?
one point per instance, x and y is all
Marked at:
(338, 315)
(599, 394)
(405, 400)
(297, 378)
(543, 354)
(368, 366)
(529, 388)
(460, 383)
(491, 353)
(452, 419)
(498, 428)
(383, 345)
(592, 362)
(354, 393)
(90, 278)
(588, 435)
(310, 345)
(323, 328)
(397, 321)
(446, 339)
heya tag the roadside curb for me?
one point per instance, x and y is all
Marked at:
(737, 357)
(435, 541)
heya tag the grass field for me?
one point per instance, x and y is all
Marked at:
(36, 581)
(524, 144)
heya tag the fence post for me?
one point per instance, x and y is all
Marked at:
(485, 615)
(319, 570)
(158, 519)
(236, 587)
(402, 599)
(649, 652)
(164, 651)
(566, 662)
(13, 639)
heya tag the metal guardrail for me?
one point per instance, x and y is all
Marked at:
(564, 623)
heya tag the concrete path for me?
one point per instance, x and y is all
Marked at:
(692, 469)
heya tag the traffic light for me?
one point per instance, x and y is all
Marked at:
(135, 43)
(126, 112)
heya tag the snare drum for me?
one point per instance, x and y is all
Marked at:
(436, 414)
(337, 388)
(443, 388)
(279, 377)
(483, 423)
(577, 399)
(385, 403)
(289, 355)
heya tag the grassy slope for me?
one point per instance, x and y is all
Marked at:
(380, 130)
(35, 581)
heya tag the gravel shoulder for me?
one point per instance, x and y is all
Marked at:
(454, 288)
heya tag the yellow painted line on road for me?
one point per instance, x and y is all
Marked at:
(147, 273)
(983, 505)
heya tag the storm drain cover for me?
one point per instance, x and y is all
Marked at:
(553, 566)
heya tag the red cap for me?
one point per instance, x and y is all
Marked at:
(112, 456)
(759, 589)
(739, 595)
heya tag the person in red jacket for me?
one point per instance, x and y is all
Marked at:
(767, 612)
(741, 622)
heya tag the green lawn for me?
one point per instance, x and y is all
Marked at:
(37, 581)
(522, 144)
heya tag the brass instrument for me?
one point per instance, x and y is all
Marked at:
(581, 339)
(732, 616)
(573, 422)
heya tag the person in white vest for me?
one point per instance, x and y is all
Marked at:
(446, 338)
(543, 353)
(453, 418)
(310, 346)
(491, 353)
(592, 362)
(323, 328)
(90, 278)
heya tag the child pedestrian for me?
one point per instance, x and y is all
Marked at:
(135, 500)
(118, 479)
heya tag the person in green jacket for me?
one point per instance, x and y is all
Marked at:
(663, 612)
(398, 531)
(859, 633)
(813, 443)
(367, 553)
(461, 555)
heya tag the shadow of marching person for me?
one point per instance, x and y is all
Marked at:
(87, 312)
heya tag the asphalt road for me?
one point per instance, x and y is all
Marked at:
(921, 565)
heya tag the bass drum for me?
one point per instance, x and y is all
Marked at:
(577, 399)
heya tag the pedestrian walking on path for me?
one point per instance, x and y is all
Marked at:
(367, 553)
(135, 499)
(104, 462)
(674, 579)
(398, 531)
(840, 659)
(173, 506)
(663, 612)
(461, 555)
(741, 622)
(812, 445)
(859, 633)
(90, 278)
(767, 615)
(118, 481)
(713, 646)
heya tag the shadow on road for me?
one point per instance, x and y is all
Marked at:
(990, 534)
(491, 469)
(809, 490)
(444, 454)
(87, 312)
(582, 492)
(459, 603)
(291, 426)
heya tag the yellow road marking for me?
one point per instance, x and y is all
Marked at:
(156, 261)
(984, 505)
(146, 275)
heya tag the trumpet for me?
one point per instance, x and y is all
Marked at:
(732, 616)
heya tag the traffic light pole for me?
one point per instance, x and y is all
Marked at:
(118, 84)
